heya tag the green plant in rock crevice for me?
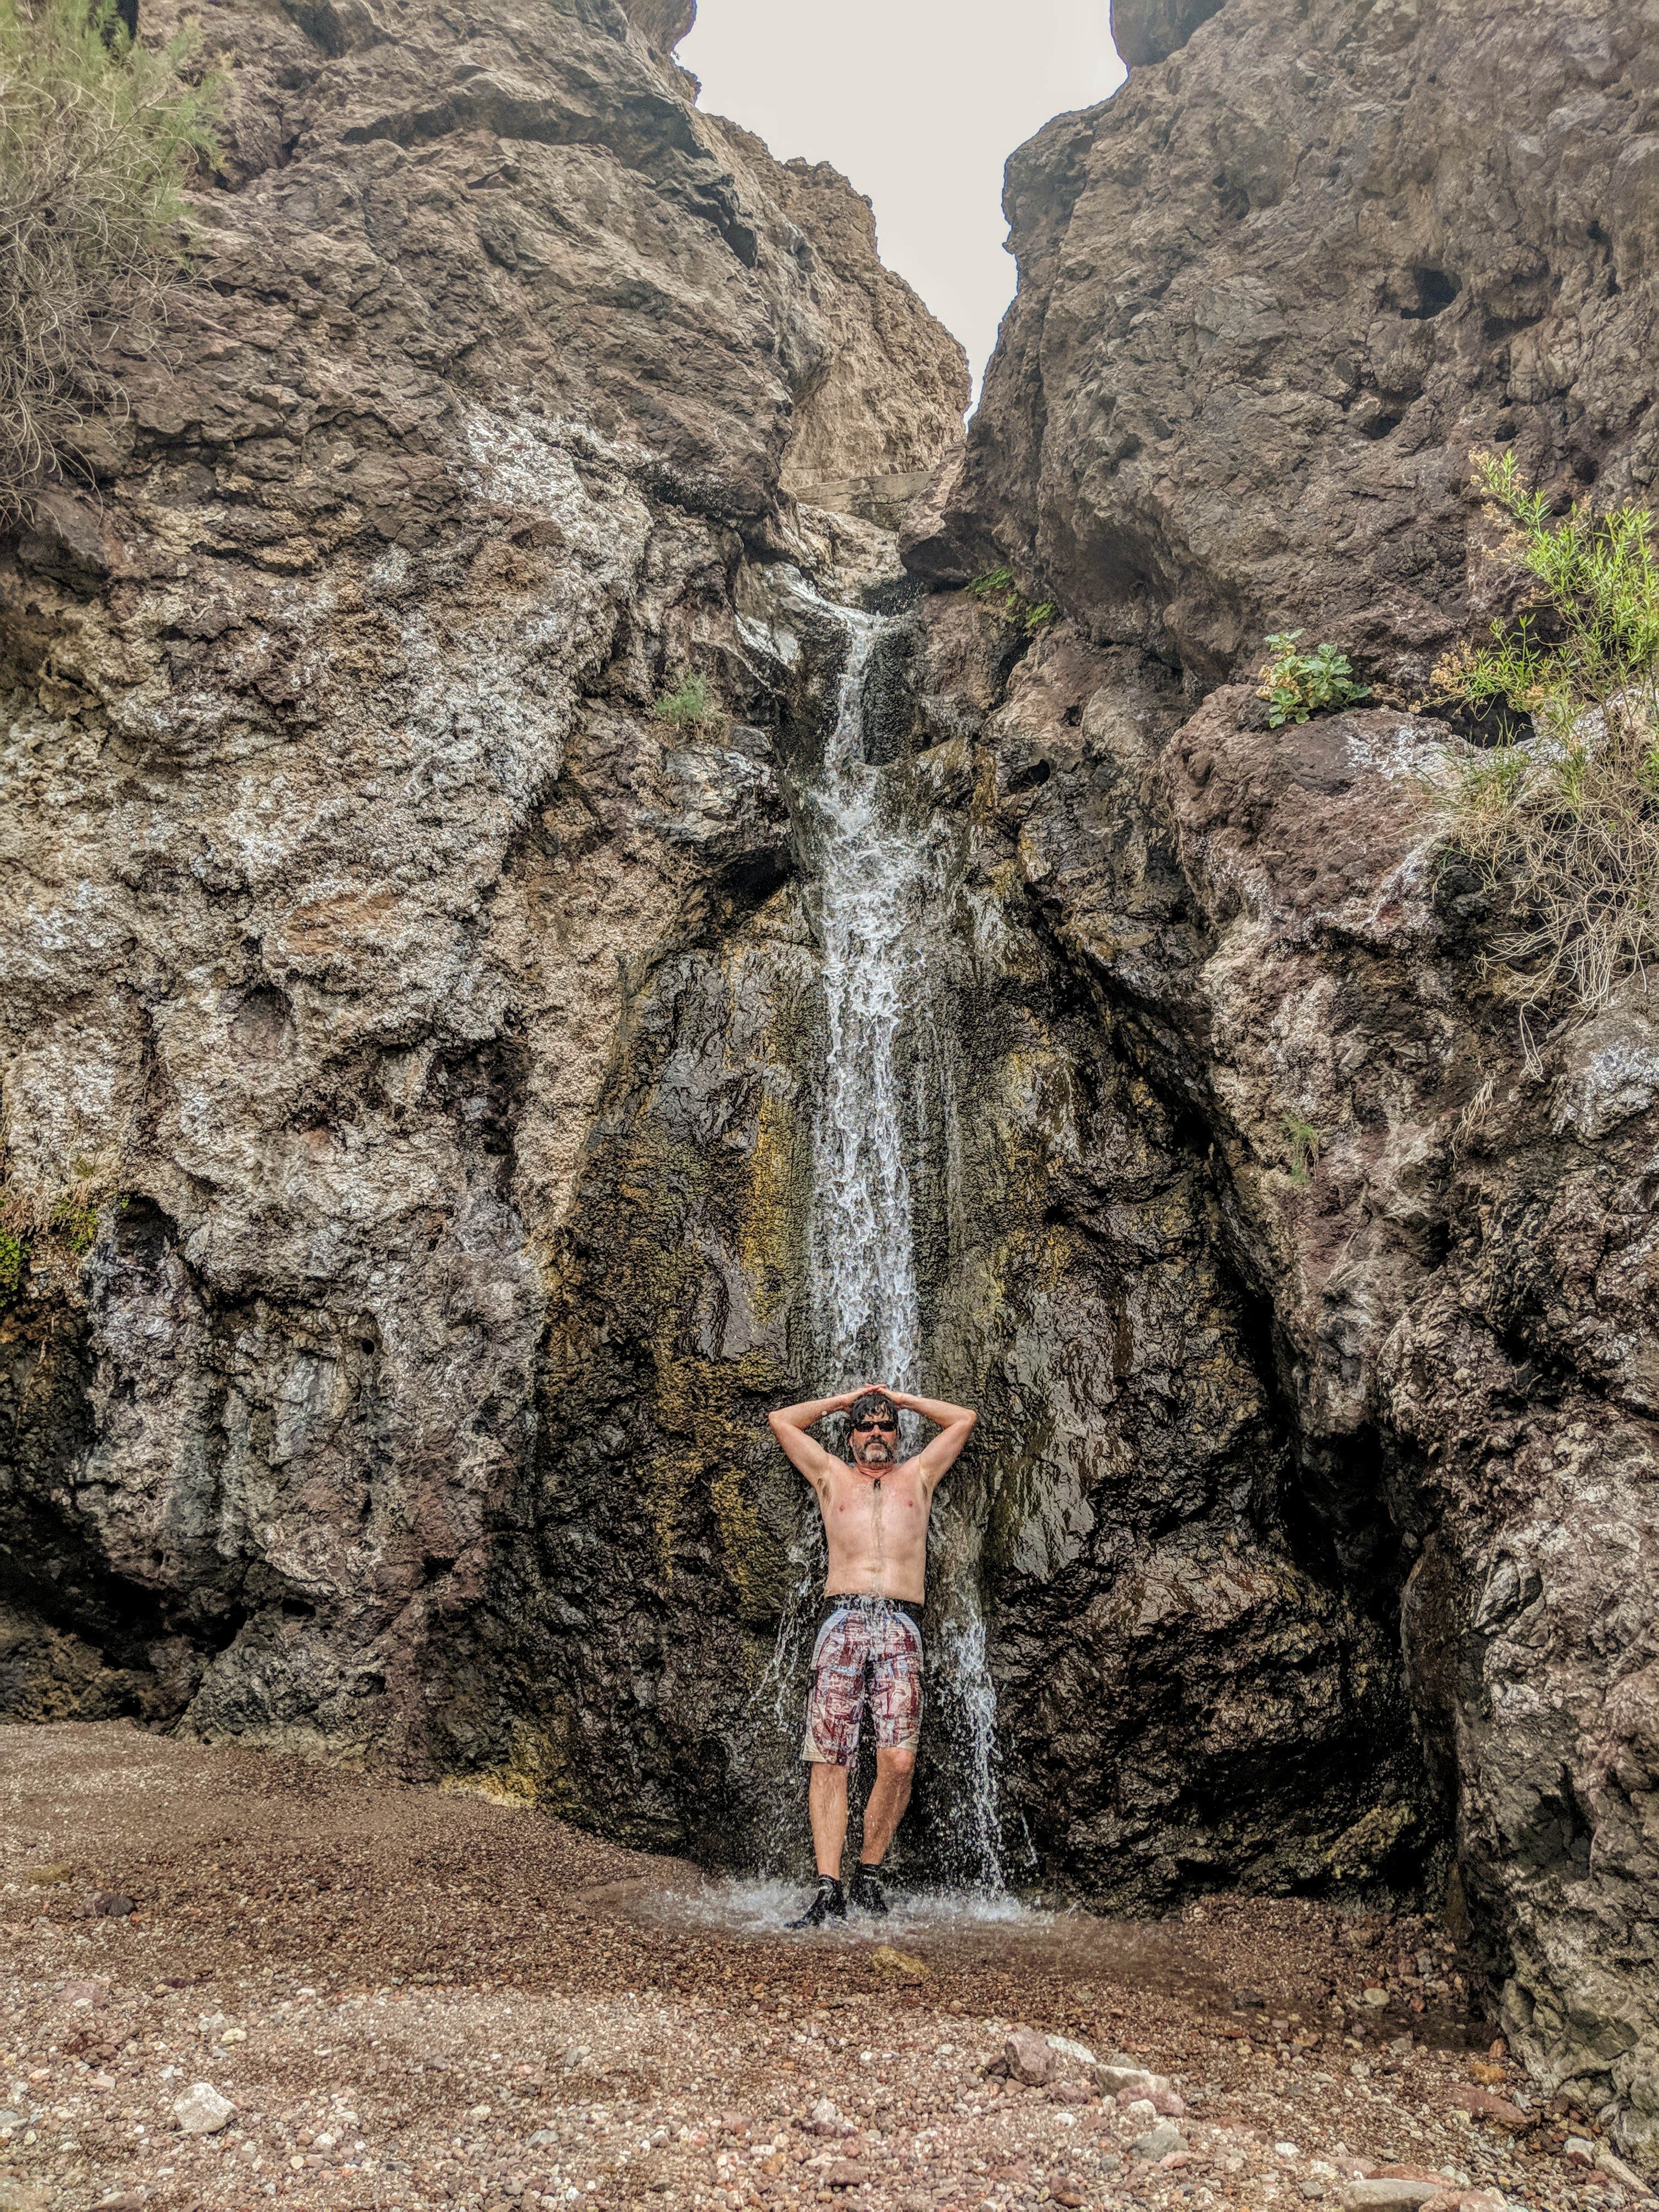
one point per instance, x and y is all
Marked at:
(998, 585)
(96, 133)
(66, 1225)
(1302, 1142)
(1298, 685)
(1563, 827)
(688, 706)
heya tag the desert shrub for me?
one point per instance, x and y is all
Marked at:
(687, 705)
(95, 135)
(1563, 827)
(1297, 685)
(996, 586)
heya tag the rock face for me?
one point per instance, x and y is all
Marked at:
(1274, 292)
(1150, 30)
(342, 838)
(1271, 294)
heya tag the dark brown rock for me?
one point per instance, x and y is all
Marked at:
(1272, 293)
(1146, 31)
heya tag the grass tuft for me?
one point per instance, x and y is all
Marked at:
(687, 705)
(96, 133)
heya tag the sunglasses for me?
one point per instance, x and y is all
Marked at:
(891, 1427)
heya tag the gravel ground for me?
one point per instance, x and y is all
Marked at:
(414, 1997)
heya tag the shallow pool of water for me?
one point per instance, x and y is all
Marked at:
(957, 1927)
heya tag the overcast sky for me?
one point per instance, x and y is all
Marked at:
(920, 102)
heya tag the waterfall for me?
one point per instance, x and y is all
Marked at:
(865, 1312)
(881, 896)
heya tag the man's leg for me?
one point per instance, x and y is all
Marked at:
(895, 1765)
(826, 1800)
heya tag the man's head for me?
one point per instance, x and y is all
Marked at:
(872, 1430)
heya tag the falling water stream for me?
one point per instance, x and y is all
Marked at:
(879, 885)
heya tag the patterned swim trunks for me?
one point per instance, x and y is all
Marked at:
(867, 1647)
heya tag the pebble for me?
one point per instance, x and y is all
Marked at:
(203, 2110)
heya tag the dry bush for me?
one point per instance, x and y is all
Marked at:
(1563, 825)
(95, 134)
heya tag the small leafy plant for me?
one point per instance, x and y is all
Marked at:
(998, 585)
(1563, 826)
(686, 706)
(96, 134)
(1302, 1142)
(1297, 685)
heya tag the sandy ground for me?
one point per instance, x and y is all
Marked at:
(412, 1998)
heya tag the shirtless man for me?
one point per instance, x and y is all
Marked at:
(869, 1636)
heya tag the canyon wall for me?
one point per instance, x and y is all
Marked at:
(342, 835)
(1271, 295)
(409, 1033)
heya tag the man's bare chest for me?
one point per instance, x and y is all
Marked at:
(896, 1502)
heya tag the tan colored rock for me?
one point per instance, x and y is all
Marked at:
(1027, 2057)
(1482, 2105)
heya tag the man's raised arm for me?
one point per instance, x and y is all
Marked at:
(955, 1425)
(790, 1425)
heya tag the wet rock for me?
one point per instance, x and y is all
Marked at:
(886, 1960)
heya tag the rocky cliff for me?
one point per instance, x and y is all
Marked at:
(1274, 291)
(1271, 294)
(412, 1036)
(341, 837)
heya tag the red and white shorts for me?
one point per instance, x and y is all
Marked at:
(867, 1648)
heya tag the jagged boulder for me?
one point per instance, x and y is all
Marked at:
(1146, 31)
(1273, 294)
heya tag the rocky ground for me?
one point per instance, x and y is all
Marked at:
(231, 1976)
